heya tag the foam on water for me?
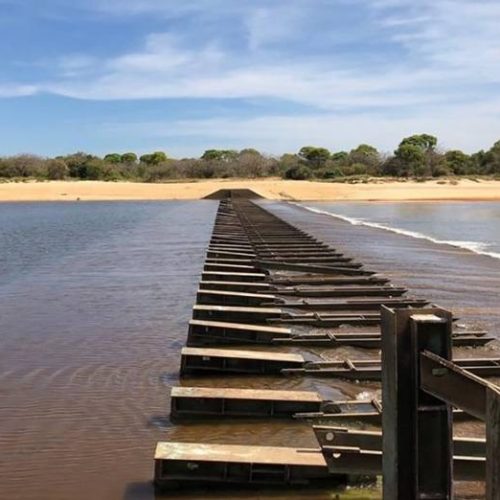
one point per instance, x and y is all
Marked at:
(476, 247)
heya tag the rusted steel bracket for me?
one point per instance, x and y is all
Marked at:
(476, 396)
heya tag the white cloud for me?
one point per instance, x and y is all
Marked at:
(439, 75)
(17, 90)
(444, 49)
(277, 134)
(72, 66)
(268, 25)
(458, 34)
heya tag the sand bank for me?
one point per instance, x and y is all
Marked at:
(275, 189)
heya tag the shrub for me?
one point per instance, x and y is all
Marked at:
(298, 173)
(329, 173)
(56, 170)
(23, 166)
(162, 171)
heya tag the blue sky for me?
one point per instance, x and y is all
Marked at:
(187, 75)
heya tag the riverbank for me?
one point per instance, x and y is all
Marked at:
(274, 189)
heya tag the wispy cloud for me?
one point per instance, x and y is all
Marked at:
(387, 65)
(444, 48)
(17, 90)
(269, 25)
(278, 133)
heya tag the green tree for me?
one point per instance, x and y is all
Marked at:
(490, 163)
(423, 141)
(458, 162)
(478, 161)
(95, 170)
(367, 158)
(250, 151)
(77, 163)
(128, 158)
(222, 155)
(412, 160)
(363, 153)
(113, 158)
(154, 158)
(416, 156)
(314, 156)
(340, 158)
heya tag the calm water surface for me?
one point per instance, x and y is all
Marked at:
(473, 226)
(94, 300)
(94, 304)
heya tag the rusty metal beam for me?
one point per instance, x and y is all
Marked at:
(347, 269)
(372, 440)
(449, 382)
(187, 464)
(417, 438)
(493, 444)
(474, 395)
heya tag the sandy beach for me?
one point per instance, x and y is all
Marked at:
(274, 189)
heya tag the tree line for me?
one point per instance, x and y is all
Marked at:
(417, 156)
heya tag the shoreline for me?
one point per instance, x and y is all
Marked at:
(272, 189)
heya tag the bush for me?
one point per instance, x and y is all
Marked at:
(56, 170)
(23, 166)
(98, 170)
(329, 173)
(162, 171)
(6, 169)
(356, 169)
(298, 173)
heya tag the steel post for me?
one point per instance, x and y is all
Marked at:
(417, 427)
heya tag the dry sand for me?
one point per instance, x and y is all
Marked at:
(275, 189)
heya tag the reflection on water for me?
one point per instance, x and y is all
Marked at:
(94, 304)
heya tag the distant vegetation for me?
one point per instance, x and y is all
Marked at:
(416, 157)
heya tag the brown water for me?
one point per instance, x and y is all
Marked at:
(94, 304)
